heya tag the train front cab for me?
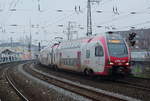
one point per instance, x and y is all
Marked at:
(118, 56)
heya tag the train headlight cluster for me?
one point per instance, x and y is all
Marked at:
(127, 63)
(111, 63)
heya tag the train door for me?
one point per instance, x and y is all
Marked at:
(98, 60)
(86, 56)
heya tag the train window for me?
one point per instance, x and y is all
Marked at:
(99, 51)
(117, 49)
(87, 53)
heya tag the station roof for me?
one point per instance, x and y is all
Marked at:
(7, 50)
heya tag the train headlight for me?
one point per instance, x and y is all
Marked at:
(127, 63)
(111, 63)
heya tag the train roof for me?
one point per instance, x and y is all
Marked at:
(109, 35)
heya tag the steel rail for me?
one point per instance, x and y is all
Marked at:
(82, 90)
(140, 78)
(15, 88)
(133, 85)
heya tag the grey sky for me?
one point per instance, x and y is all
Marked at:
(49, 19)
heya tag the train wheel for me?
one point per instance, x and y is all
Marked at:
(88, 72)
(55, 67)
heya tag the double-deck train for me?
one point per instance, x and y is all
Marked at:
(103, 55)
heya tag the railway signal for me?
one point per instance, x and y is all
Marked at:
(132, 38)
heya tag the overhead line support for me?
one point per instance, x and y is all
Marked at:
(89, 16)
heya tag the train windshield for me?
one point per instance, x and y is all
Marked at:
(117, 49)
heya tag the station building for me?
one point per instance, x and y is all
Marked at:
(8, 55)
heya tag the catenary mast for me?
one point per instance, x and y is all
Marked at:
(89, 16)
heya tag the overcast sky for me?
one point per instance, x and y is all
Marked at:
(130, 13)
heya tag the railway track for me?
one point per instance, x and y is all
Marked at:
(12, 84)
(83, 90)
(139, 83)
(139, 78)
(133, 85)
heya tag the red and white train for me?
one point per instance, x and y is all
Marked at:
(95, 55)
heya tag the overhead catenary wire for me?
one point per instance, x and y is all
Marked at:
(65, 16)
(11, 3)
(141, 23)
(61, 19)
(15, 4)
(69, 15)
(120, 17)
(106, 1)
(119, 28)
(123, 16)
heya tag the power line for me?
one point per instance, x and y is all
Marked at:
(61, 19)
(123, 27)
(106, 1)
(142, 23)
(65, 16)
(11, 4)
(121, 17)
(16, 4)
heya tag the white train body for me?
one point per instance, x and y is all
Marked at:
(88, 55)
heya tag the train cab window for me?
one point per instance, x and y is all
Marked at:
(99, 51)
(87, 53)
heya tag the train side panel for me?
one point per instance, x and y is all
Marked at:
(67, 56)
(93, 56)
(81, 55)
(98, 55)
